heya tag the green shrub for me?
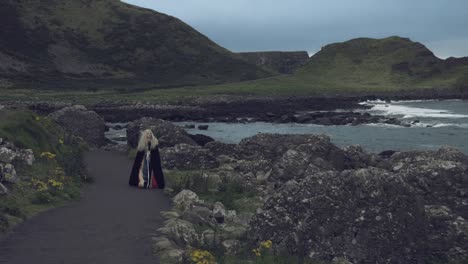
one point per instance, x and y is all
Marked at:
(56, 174)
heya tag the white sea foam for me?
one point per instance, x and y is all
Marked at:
(412, 112)
(383, 125)
(422, 101)
(437, 125)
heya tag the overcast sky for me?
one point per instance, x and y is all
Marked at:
(262, 25)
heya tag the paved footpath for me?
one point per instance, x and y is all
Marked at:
(112, 223)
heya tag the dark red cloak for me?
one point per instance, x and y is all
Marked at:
(155, 168)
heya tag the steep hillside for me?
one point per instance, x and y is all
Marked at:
(282, 62)
(65, 43)
(392, 62)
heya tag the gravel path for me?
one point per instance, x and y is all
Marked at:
(112, 223)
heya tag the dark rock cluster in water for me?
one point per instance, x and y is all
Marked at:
(320, 111)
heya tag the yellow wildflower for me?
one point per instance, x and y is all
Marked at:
(257, 252)
(202, 257)
(61, 141)
(38, 118)
(39, 185)
(48, 155)
(266, 244)
(56, 184)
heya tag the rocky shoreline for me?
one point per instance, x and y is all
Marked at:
(237, 109)
(314, 200)
(302, 196)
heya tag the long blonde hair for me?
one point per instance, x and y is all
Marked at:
(143, 142)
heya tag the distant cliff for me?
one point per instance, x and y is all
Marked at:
(70, 43)
(282, 62)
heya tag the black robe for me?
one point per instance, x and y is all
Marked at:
(155, 167)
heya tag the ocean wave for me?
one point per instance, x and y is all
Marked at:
(412, 112)
(438, 125)
(379, 101)
(383, 125)
(423, 101)
(419, 125)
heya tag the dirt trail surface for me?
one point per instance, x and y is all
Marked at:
(112, 223)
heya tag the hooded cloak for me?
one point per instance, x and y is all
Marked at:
(157, 176)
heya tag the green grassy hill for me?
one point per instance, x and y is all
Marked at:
(92, 43)
(374, 64)
(362, 66)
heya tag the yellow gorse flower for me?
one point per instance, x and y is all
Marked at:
(56, 184)
(48, 155)
(202, 257)
(264, 244)
(39, 185)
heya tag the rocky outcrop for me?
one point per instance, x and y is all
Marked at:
(360, 214)
(334, 205)
(7, 155)
(167, 133)
(439, 177)
(114, 112)
(185, 199)
(273, 146)
(82, 122)
(187, 157)
(10, 154)
(194, 223)
(367, 214)
(282, 62)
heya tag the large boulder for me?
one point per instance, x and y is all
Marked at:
(8, 174)
(366, 216)
(7, 155)
(181, 232)
(82, 122)
(185, 199)
(273, 146)
(167, 133)
(187, 157)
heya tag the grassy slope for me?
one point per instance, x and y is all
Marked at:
(373, 64)
(36, 191)
(357, 66)
(105, 43)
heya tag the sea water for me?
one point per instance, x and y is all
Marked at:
(436, 123)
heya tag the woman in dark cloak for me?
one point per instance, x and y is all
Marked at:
(146, 170)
